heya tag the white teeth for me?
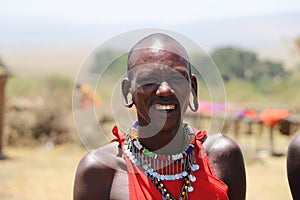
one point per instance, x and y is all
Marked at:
(164, 107)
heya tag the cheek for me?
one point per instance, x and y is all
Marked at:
(140, 97)
(143, 93)
(183, 97)
(182, 91)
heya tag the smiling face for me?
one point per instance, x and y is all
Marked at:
(160, 83)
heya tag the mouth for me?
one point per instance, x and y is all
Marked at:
(165, 107)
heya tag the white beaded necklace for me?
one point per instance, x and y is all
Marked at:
(163, 167)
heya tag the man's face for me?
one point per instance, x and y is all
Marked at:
(161, 87)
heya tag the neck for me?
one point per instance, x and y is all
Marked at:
(162, 141)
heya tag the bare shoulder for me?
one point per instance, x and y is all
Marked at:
(221, 145)
(95, 172)
(293, 166)
(104, 158)
(293, 157)
(294, 146)
(227, 160)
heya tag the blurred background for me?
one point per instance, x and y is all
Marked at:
(255, 44)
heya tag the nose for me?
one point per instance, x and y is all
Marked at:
(164, 90)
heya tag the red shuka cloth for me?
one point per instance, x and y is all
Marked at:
(207, 185)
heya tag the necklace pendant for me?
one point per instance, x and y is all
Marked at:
(145, 166)
(173, 178)
(138, 163)
(164, 167)
(184, 174)
(195, 167)
(190, 188)
(192, 178)
(167, 177)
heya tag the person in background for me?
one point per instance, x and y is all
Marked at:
(293, 166)
(88, 98)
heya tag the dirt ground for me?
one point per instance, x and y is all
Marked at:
(39, 173)
(48, 173)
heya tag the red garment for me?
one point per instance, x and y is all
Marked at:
(207, 185)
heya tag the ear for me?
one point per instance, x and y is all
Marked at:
(194, 90)
(126, 87)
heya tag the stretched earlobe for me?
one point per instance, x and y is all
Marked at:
(126, 92)
(194, 92)
(196, 104)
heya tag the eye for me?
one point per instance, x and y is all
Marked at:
(177, 79)
(148, 81)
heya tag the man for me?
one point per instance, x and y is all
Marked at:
(161, 157)
(293, 166)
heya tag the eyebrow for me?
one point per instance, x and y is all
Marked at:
(179, 69)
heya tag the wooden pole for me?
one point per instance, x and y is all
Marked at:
(236, 123)
(272, 141)
(2, 94)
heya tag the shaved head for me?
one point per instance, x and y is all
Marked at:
(158, 48)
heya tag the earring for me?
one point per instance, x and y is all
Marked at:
(125, 101)
(196, 104)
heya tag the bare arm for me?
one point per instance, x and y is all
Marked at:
(228, 163)
(93, 180)
(293, 166)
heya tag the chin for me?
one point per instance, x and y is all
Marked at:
(169, 124)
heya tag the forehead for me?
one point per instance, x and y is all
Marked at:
(158, 69)
(156, 56)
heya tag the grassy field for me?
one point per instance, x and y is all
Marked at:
(35, 173)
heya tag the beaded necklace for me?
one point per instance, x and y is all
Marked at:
(164, 167)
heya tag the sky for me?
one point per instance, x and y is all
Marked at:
(35, 22)
(131, 11)
(31, 27)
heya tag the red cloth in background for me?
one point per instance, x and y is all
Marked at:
(210, 107)
(271, 117)
(249, 113)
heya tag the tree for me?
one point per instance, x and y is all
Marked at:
(109, 61)
(241, 64)
(233, 62)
